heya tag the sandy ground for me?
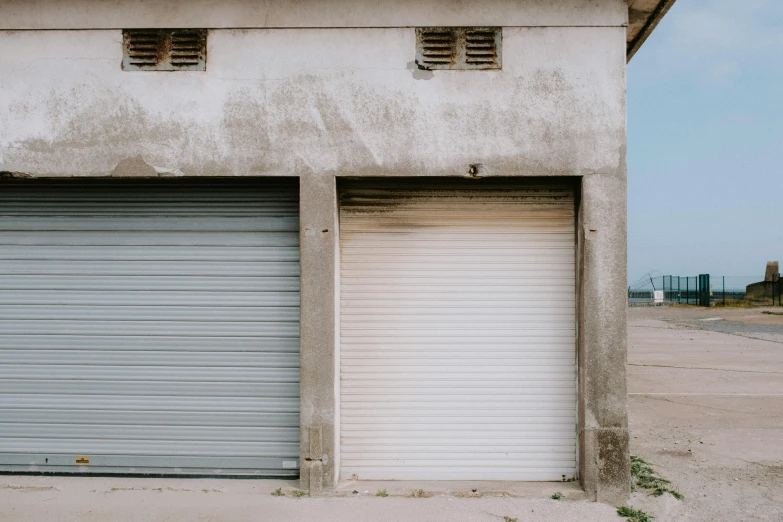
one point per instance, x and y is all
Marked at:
(705, 406)
(706, 409)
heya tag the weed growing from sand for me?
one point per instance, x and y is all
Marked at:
(382, 493)
(420, 493)
(644, 476)
(556, 496)
(634, 515)
(278, 493)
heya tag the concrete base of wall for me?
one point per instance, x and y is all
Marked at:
(606, 464)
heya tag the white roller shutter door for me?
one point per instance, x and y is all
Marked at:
(149, 326)
(457, 337)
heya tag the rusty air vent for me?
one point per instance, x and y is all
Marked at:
(436, 48)
(164, 49)
(465, 48)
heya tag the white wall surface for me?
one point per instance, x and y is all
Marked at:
(297, 101)
(113, 14)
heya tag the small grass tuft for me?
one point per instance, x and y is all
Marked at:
(634, 515)
(298, 493)
(510, 519)
(382, 493)
(278, 493)
(556, 496)
(420, 493)
(644, 476)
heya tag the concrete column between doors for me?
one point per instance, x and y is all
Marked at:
(318, 236)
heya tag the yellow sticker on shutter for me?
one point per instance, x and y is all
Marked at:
(82, 460)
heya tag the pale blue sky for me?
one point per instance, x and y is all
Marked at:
(705, 141)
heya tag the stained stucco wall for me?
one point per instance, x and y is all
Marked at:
(288, 102)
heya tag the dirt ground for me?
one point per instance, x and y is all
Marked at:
(706, 410)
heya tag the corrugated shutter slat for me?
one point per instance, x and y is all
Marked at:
(152, 326)
(457, 344)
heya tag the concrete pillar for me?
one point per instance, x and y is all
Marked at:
(318, 235)
(603, 412)
(773, 269)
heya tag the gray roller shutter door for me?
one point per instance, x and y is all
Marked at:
(149, 327)
(458, 330)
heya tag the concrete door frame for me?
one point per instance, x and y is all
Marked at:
(602, 423)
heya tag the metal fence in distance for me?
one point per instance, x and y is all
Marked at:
(706, 290)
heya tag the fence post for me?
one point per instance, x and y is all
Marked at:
(724, 290)
(687, 290)
(704, 290)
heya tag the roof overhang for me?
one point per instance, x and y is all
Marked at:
(643, 16)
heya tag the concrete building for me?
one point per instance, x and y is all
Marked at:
(770, 287)
(334, 240)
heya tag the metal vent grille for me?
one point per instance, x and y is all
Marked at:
(142, 48)
(481, 47)
(466, 48)
(164, 50)
(437, 48)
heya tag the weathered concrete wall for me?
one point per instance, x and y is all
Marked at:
(110, 14)
(604, 458)
(319, 360)
(291, 102)
(321, 103)
(763, 290)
